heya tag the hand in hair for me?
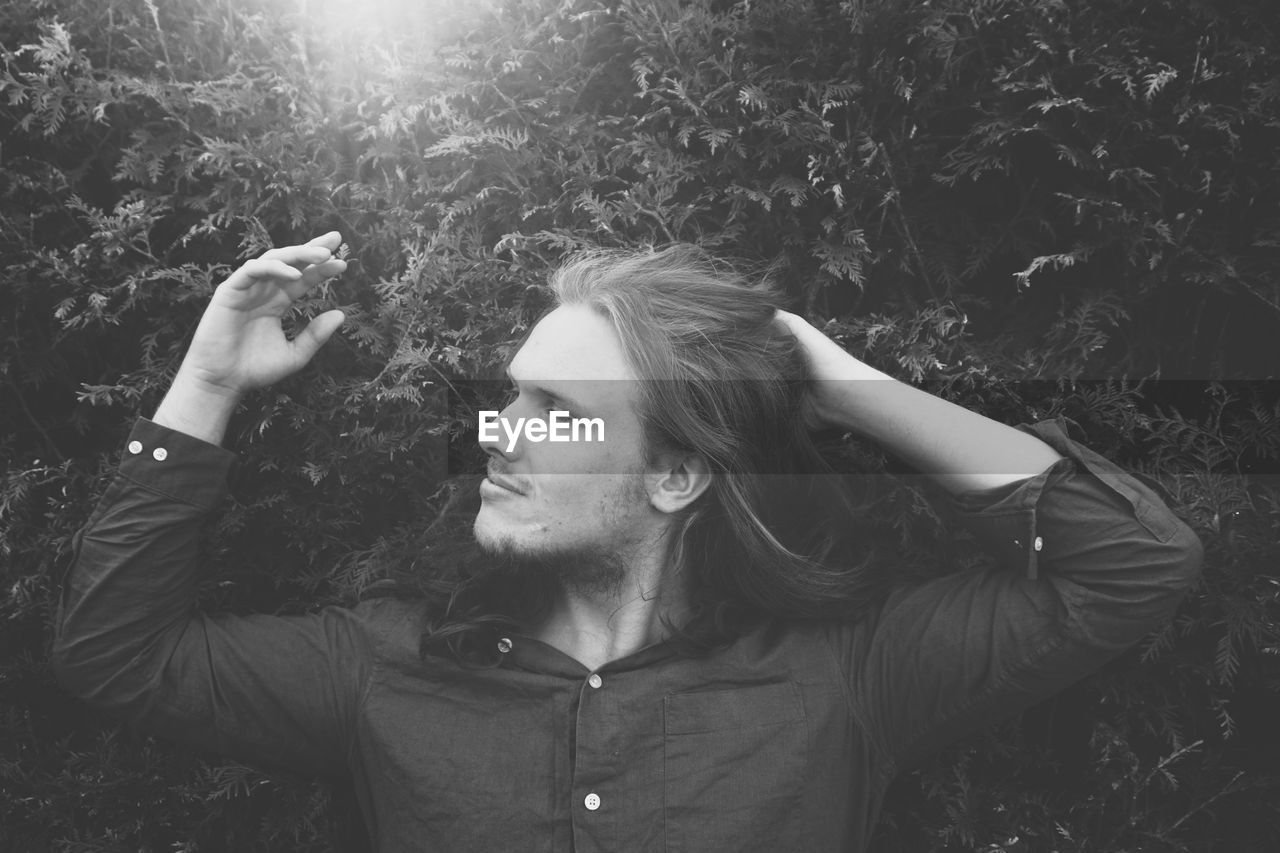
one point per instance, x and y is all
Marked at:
(963, 450)
(830, 367)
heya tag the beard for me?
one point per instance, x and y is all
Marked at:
(586, 571)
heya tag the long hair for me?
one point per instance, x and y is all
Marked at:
(776, 535)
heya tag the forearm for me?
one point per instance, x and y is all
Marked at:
(963, 450)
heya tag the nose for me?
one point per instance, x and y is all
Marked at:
(496, 450)
(494, 439)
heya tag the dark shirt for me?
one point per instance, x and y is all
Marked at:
(784, 741)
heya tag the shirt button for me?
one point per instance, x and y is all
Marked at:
(160, 454)
(1038, 544)
(504, 645)
(594, 680)
(135, 447)
(592, 802)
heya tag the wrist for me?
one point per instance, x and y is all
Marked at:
(197, 407)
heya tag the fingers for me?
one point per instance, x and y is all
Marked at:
(313, 275)
(261, 269)
(319, 330)
(315, 251)
(317, 273)
(792, 322)
(330, 241)
(314, 258)
(300, 257)
(296, 269)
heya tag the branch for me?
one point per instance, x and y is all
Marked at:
(1226, 789)
(1255, 294)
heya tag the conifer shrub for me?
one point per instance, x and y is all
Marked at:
(1036, 209)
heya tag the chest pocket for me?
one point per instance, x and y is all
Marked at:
(734, 768)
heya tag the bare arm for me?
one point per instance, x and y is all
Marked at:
(963, 450)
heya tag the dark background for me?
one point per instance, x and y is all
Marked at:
(1036, 209)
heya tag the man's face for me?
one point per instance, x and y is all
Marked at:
(580, 502)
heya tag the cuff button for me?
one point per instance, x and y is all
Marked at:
(135, 447)
(159, 454)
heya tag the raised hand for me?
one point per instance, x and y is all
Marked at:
(240, 343)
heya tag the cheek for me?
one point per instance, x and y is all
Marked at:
(620, 453)
(592, 500)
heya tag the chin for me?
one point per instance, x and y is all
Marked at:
(486, 531)
(495, 537)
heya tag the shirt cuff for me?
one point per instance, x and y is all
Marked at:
(1004, 520)
(177, 465)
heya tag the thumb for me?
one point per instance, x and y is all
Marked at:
(319, 330)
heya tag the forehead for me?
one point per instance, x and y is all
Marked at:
(572, 343)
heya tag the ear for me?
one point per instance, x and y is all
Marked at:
(677, 481)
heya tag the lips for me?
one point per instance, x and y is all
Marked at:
(504, 482)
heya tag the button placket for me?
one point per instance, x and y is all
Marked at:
(592, 759)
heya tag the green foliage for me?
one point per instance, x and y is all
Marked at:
(1038, 209)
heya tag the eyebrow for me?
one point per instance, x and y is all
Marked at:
(545, 391)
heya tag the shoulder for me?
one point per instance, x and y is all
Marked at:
(391, 626)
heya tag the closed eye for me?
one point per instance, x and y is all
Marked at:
(546, 403)
(509, 395)
(547, 400)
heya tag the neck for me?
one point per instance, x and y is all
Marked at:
(596, 626)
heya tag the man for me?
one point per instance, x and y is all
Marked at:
(666, 656)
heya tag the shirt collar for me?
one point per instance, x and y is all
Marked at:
(536, 656)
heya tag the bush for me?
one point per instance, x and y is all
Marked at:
(1035, 209)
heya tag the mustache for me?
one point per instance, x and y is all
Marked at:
(495, 472)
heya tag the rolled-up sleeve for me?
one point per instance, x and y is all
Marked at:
(280, 692)
(1088, 561)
